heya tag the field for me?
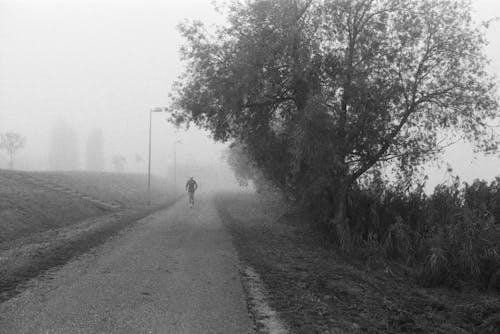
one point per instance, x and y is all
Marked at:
(47, 218)
(129, 190)
(318, 290)
(36, 202)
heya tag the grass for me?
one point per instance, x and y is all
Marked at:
(27, 208)
(318, 290)
(129, 190)
(41, 228)
(56, 247)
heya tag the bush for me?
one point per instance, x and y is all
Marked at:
(451, 236)
(469, 250)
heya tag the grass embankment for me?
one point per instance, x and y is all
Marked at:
(129, 190)
(41, 227)
(26, 209)
(29, 204)
(318, 290)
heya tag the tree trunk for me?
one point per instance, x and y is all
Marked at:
(339, 223)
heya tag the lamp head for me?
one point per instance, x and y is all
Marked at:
(157, 109)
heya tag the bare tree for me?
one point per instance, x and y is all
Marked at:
(12, 142)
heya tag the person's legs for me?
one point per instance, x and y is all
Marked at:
(191, 197)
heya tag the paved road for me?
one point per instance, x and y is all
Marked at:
(173, 272)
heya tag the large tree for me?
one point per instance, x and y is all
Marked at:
(320, 92)
(11, 142)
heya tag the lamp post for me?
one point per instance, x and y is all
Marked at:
(175, 164)
(151, 111)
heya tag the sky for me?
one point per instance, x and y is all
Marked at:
(105, 64)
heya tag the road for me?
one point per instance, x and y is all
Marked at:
(173, 272)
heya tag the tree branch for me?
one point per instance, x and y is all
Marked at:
(268, 102)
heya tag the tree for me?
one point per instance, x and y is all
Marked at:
(11, 142)
(138, 160)
(243, 167)
(64, 150)
(95, 150)
(119, 162)
(322, 92)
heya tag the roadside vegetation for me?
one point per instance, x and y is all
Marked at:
(337, 105)
(317, 289)
(449, 237)
(319, 95)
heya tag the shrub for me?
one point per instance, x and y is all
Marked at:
(451, 236)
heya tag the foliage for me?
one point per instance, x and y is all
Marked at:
(451, 235)
(245, 169)
(321, 92)
(11, 142)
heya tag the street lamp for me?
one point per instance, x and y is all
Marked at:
(151, 111)
(175, 164)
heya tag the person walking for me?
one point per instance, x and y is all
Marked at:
(191, 187)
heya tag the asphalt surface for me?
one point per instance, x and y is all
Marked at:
(173, 272)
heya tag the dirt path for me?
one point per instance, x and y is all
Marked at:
(173, 272)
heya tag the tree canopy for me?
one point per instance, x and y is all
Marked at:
(320, 92)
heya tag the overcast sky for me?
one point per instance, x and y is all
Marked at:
(105, 63)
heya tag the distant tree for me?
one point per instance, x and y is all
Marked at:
(64, 152)
(11, 142)
(95, 150)
(321, 92)
(119, 162)
(138, 160)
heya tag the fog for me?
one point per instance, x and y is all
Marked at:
(86, 68)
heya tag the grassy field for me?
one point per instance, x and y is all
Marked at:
(48, 218)
(129, 190)
(29, 202)
(318, 290)
(26, 208)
